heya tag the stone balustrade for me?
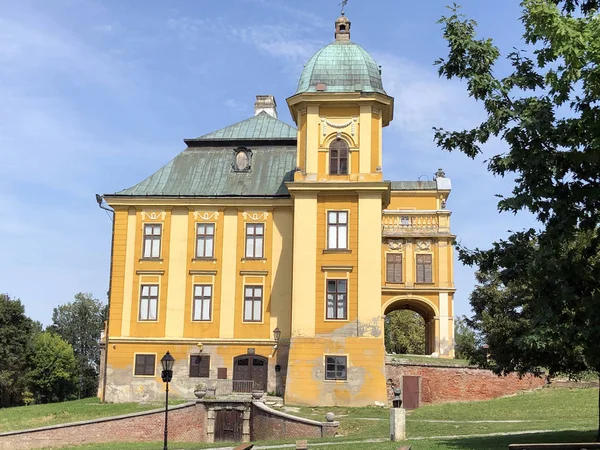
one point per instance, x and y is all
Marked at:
(415, 223)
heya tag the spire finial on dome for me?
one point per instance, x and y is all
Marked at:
(343, 5)
(342, 26)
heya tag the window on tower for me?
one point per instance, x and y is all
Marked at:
(338, 157)
(337, 305)
(337, 229)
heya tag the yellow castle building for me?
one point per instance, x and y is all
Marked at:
(265, 257)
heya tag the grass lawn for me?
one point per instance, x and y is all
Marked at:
(545, 409)
(428, 360)
(23, 417)
(567, 415)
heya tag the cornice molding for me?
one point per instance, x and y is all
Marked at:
(149, 272)
(256, 273)
(202, 272)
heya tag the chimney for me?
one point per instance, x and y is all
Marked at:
(267, 104)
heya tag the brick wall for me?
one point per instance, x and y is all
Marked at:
(450, 384)
(185, 425)
(269, 424)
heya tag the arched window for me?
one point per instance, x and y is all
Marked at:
(338, 157)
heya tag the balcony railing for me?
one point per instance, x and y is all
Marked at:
(227, 387)
(403, 223)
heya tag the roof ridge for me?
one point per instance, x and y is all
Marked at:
(259, 126)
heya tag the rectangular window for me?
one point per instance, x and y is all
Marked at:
(199, 366)
(255, 238)
(253, 303)
(337, 229)
(152, 234)
(202, 299)
(424, 269)
(335, 368)
(145, 364)
(393, 268)
(149, 302)
(337, 299)
(205, 238)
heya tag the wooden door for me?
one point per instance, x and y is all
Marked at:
(250, 368)
(411, 391)
(259, 373)
(228, 425)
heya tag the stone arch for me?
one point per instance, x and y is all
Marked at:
(426, 309)
(427, 305)
(333, 136)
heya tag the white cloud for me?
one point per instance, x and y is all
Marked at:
(277, 41)
(423, 100)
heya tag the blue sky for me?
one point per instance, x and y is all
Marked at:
(97, 95)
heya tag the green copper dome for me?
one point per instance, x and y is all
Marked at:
(341, 66)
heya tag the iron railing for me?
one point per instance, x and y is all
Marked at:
(227, 387)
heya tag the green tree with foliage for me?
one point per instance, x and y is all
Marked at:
(80, 323)
(53, 372)
(538, 300)
(404, 333)
(16, 331)
(465, 339)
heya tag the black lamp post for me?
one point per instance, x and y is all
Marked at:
(167, 374)
(276, 334)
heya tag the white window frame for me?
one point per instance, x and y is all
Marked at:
(336, 315)
(146, 300)
(250, 303)
(203, 240)
(254, 251)
(152, 241)
(335, 223)
(205, 313)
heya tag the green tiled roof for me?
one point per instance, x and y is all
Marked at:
(262, 126)
(342, 66)
(207, 172)
(413, 185)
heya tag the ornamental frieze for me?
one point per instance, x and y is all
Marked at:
(153, 215)
(395, 244)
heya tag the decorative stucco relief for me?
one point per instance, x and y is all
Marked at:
(423, 245)
(154, 215)
(198, 215)
(255, 216)
(395, 244)
(340, 126)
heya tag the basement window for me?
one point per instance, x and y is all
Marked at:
(335, 368)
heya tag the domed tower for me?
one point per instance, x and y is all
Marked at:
(340, 96)
(336, 354)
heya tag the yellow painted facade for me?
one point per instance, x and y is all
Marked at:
(310, 261)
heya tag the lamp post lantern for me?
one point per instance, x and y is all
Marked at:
(166, 375)
(276, 334)
(397, 401)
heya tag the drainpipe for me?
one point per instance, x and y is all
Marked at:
(100, 200)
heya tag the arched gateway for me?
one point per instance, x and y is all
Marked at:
(426, 309)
